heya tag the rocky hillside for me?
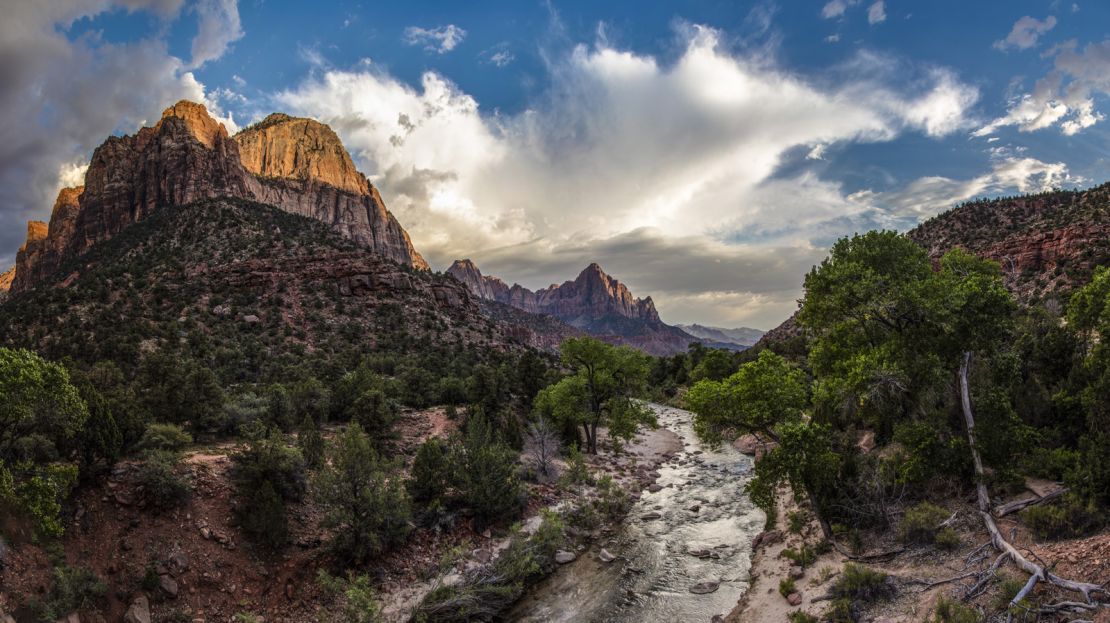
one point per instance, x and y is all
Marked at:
(297, 165)
(258, 286)
(594, 302)
(1047, 243)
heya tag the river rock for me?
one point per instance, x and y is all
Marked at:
(794, 599)
(605, 556)
(563, 557)
(651, 516)
(704, 588)
(654, 488)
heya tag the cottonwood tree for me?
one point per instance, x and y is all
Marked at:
(889, 332)
(600, 391)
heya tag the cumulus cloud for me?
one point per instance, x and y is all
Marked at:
(836, 8)
(1025, 33)
(217, 28)
(665, 162)
(62, 95)
(1064, 97)
(876, 13)
(442, 39)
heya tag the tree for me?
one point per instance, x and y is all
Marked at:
(431, 472)
(760, 396)
(486, 473)
(311, 442)
(601, 390)
(42, 417)
(365, 505)
(542, 446)
(716, 365)
(181, 391)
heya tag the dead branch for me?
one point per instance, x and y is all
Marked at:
(1036, 572)
(1013, 507)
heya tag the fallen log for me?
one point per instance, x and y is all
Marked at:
(1036, 572)
(1013, 507)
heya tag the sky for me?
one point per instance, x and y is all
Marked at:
(706, 153)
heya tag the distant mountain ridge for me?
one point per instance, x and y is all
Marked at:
(593, 302)
(741, 337)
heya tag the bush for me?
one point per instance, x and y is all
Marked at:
(73, 588)
(921, 523)
(797, 521)
(947, 539)
(578, 472)
(803, 557)
(431, 472)
(267, 474)
(365, 505)
(1069, 517)
(800, 617)
(162, 487)
(1008, 588)
(787, 587)
(952, 611)
(858, 583)
(357, 599)
(164, 437)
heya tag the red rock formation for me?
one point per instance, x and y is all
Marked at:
(489, 288)
(188, 156)
(6, 278)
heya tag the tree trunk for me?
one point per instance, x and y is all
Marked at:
(1035, 571)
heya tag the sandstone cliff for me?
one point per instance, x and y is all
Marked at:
(1047, 244)
(594, 302)
(188, 156)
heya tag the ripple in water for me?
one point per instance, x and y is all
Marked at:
(650, 580)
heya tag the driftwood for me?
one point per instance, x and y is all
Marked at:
(1015, 506)
(1036, 572)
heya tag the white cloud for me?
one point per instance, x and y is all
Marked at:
(682, 154)
(836, 8)
(1064, 96)
(1025, 33)
(217, 28)
(876, 13)
(61, 97)
(441, 40)
(501, 58)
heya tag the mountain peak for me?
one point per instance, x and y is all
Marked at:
(200, 124)
(36, 231)
(299, 148)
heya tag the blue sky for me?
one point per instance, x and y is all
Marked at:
(706, 153)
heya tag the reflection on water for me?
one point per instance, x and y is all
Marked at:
(703, 510)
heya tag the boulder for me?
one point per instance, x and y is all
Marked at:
(168, 585)
(605, 556)
(794, 599)
(563, 557)
(138, 611)
(705, 587)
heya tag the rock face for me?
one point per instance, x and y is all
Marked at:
(594, 302)
(1046, 244)
(188, 156)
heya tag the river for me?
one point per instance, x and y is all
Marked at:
(702, 508)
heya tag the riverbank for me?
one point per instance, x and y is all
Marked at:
(681, 554)
(921, 575)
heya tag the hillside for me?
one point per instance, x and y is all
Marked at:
(734, 339)
(252, 286)
(1047, 243)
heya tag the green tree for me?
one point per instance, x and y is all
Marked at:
(600, 391)
(760, 396)
(311, 442)
(716, 365)
(431, 472)
(42, 418)
(364, 501)
(486, 477)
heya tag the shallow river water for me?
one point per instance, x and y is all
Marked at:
(651, 578)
